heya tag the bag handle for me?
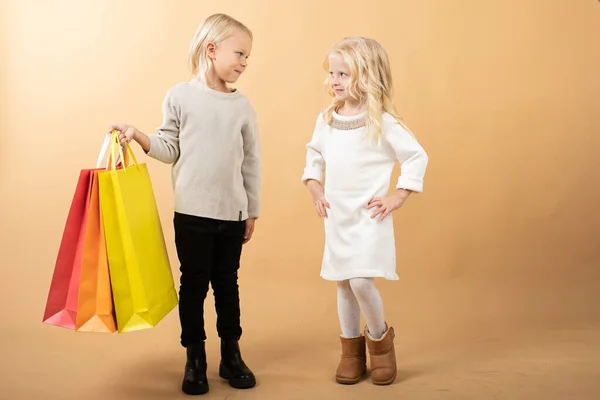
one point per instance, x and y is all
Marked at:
(124, 152)
(105, 149)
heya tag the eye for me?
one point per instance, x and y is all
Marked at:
(342, 74)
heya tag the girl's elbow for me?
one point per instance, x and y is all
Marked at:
(425, 158)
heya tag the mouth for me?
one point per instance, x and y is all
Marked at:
(238, 72)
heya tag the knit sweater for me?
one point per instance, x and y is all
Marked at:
(212, 140)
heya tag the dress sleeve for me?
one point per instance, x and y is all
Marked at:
(410, 154)
(315, 162)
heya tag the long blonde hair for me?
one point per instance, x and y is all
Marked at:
(370, 82)
(215, 28)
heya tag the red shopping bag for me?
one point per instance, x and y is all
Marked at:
(61, 306)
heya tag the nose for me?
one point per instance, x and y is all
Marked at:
(244, 62)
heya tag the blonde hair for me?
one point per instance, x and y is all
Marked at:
(215, 28)
(370, 82)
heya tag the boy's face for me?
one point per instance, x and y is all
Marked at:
(230, 57)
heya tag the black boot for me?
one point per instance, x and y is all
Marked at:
(233, 367)
(195, 381)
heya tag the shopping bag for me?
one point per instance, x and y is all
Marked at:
(77, 260)
(61, 304)
(140, 272)
(95, 311)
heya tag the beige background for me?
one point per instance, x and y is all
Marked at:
(498, 258)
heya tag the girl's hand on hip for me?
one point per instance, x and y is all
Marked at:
(385, 205)
(322, 205)
(318, 196)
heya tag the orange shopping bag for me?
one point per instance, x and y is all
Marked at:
(95, 310)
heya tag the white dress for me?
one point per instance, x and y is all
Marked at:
(355, 171)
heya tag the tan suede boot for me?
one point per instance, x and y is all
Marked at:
(353, 362)
(382, 356)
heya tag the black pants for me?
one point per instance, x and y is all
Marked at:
(209, 250)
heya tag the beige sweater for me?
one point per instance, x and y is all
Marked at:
(212, 140)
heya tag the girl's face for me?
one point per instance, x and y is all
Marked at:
(230, 57)
(339, 77)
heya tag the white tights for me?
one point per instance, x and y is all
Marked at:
(356, 295)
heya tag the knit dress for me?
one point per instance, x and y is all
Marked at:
(354, 171)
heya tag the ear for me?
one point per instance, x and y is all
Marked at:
(211, 50)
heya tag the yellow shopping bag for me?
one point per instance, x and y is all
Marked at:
(140, 272)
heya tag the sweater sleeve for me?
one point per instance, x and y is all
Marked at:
(315, 162)
(164, 145)
(410, 154)
(251, 165)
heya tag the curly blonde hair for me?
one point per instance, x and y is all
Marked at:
(370, 82)
(215, 28)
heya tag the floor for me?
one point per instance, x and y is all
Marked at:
(467, 341)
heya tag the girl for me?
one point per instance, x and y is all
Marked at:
(209, 134)
(356, 141)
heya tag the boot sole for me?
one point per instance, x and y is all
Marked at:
(236, 383)
(350, 381)
(194, 390)
(387, 382)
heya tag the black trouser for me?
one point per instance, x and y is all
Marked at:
(209, 250)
